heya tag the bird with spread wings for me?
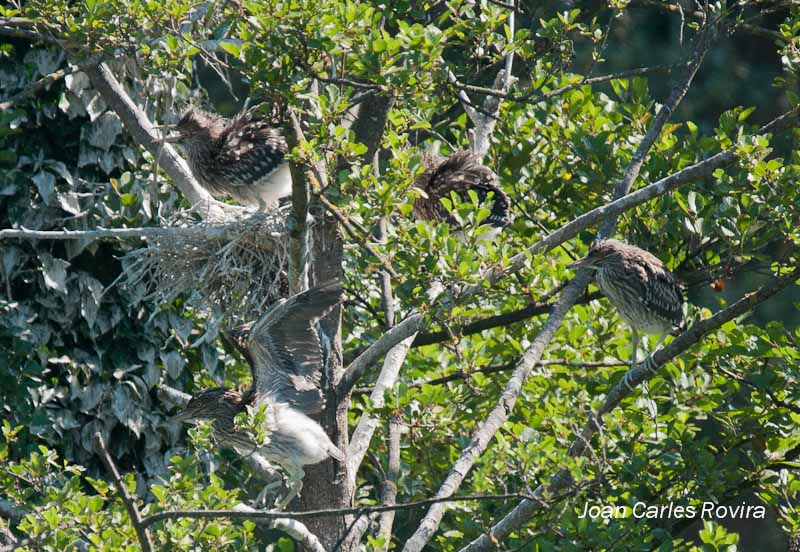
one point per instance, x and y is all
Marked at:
(286, 358)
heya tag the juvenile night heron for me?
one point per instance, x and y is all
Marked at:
(647, 295)
(459, 173)
(285, 355)
(242, 158)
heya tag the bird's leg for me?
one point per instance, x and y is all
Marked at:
(268, 488)
(294, 484)
(659, 344)
(635, 343)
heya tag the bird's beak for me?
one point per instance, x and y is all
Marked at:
(580, 263)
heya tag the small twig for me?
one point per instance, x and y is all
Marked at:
(130, 505)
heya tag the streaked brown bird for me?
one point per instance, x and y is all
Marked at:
(286, 357)
(243, 158)
(459, 173)
(647, 295)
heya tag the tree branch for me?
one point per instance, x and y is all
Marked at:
(636, 375)
(698, 16)
(353, 233)
(307, 514)
(136, 520)
(486, 121)
(113, 233)
(292, 527)
(462, 374)
(535, 97)
(389, 493)
(359, 443)
(297, 222)
(505, 405)
(534, 309)
(34, 88)
(405, 329)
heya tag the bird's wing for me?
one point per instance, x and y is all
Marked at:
(250, 143)
(664, 294)
(285, 352)
(460, 173)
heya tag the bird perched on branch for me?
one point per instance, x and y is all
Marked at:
(647, 295)
(286, 357)
(243, 158)
(459, 173)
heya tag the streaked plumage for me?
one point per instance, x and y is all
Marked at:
(459, 173)
(647, 295)
(286, 358)
(242, 158)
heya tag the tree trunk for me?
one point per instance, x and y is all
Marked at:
(326, 484)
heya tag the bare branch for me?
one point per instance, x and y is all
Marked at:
(636, 375)
(462, 374)
(362, 435)
(405, 329)
(34, 88)
(295, 529)
(495, 369)
(371, 121)
(136, 519)
(389, 493)
(23, 233)
(505, 405)
(297, 222)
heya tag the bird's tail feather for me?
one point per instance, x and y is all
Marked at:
(335, 453)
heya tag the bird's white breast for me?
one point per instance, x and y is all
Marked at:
(275, 185)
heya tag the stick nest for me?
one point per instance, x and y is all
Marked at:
(238, 268)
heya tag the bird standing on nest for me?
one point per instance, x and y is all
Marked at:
(458, 174)
(286, 358)
(243, 158)
(647, 295)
